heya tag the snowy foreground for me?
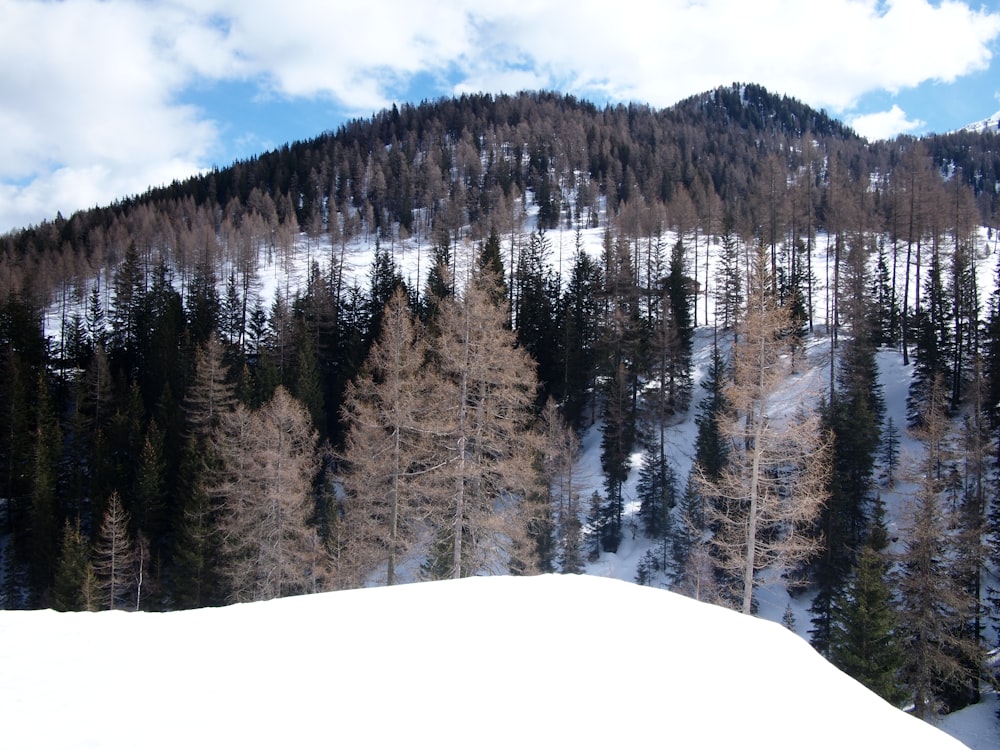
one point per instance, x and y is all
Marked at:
(476, 663)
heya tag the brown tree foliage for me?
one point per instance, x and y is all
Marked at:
(774, 484)
(268, 461)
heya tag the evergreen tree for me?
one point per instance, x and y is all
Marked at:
(560, 449)
(579, 316)
(129, 290)
(74, 579)
(44, 510)
(711, 448)
(149, 504)
(729, 294)
(491, 261)
(195, 541)
(934, 610)
(308, 386)
(440, 281)
(535, 312)
(204, 308)
(656, 491)
(618, 436)
(864, 640)
(890, 452)
(931, 344)
(854, 419)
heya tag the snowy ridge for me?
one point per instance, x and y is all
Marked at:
(482, 662)
(991, 123)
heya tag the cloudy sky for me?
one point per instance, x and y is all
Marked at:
(102, 99)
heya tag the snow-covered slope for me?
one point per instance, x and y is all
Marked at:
(485, 662)
(989, 123)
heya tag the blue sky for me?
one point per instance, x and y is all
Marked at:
(101, 99)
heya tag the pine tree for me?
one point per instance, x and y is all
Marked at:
(934, 610)
(578, 337)
(618, 436)
(308, 386)
(711, 448)
(890, 452)
(535, 312)
(729, 297)
(44, 511)
(204, 308)
(864, 637)
(74, 578)
(788, 618)
(656, 491)
(853, 418)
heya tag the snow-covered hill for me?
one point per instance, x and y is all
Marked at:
(538, 662)
(642, 653)
(989, 123)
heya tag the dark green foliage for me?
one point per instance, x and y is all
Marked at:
(491, 261)
(711, 450)
(440, 284)
(931, 342)
(203, 307)
(308, 387)
(649, 565)
(854, 419)
(864, 641)
(656, 491)
(74, 578)
(535, 313)
(602, 533)
(44, 510)
(618, 436)
(688, 529)
(579, 310)
(885, 307)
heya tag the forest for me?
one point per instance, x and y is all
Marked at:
(206, 401)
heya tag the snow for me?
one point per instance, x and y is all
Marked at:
(987, 123)
(480, 662)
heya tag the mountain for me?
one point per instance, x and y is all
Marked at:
(482, 662)
(987, 124)
(128, 333)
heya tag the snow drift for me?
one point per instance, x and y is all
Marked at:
(550, 661)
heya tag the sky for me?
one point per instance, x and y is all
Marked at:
(490, 662)
(102, 99)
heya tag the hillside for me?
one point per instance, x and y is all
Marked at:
(380, 348)
(484, 662)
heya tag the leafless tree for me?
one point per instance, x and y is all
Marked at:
(774, 484)
(268, 461)
(388, 455)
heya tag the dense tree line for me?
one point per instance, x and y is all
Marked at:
(173, 438)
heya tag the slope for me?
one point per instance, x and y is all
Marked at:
(482, 662)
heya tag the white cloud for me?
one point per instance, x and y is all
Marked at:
(97, 87)
(881, 125)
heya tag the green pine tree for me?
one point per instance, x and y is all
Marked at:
(74, 588)
(863, 637)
